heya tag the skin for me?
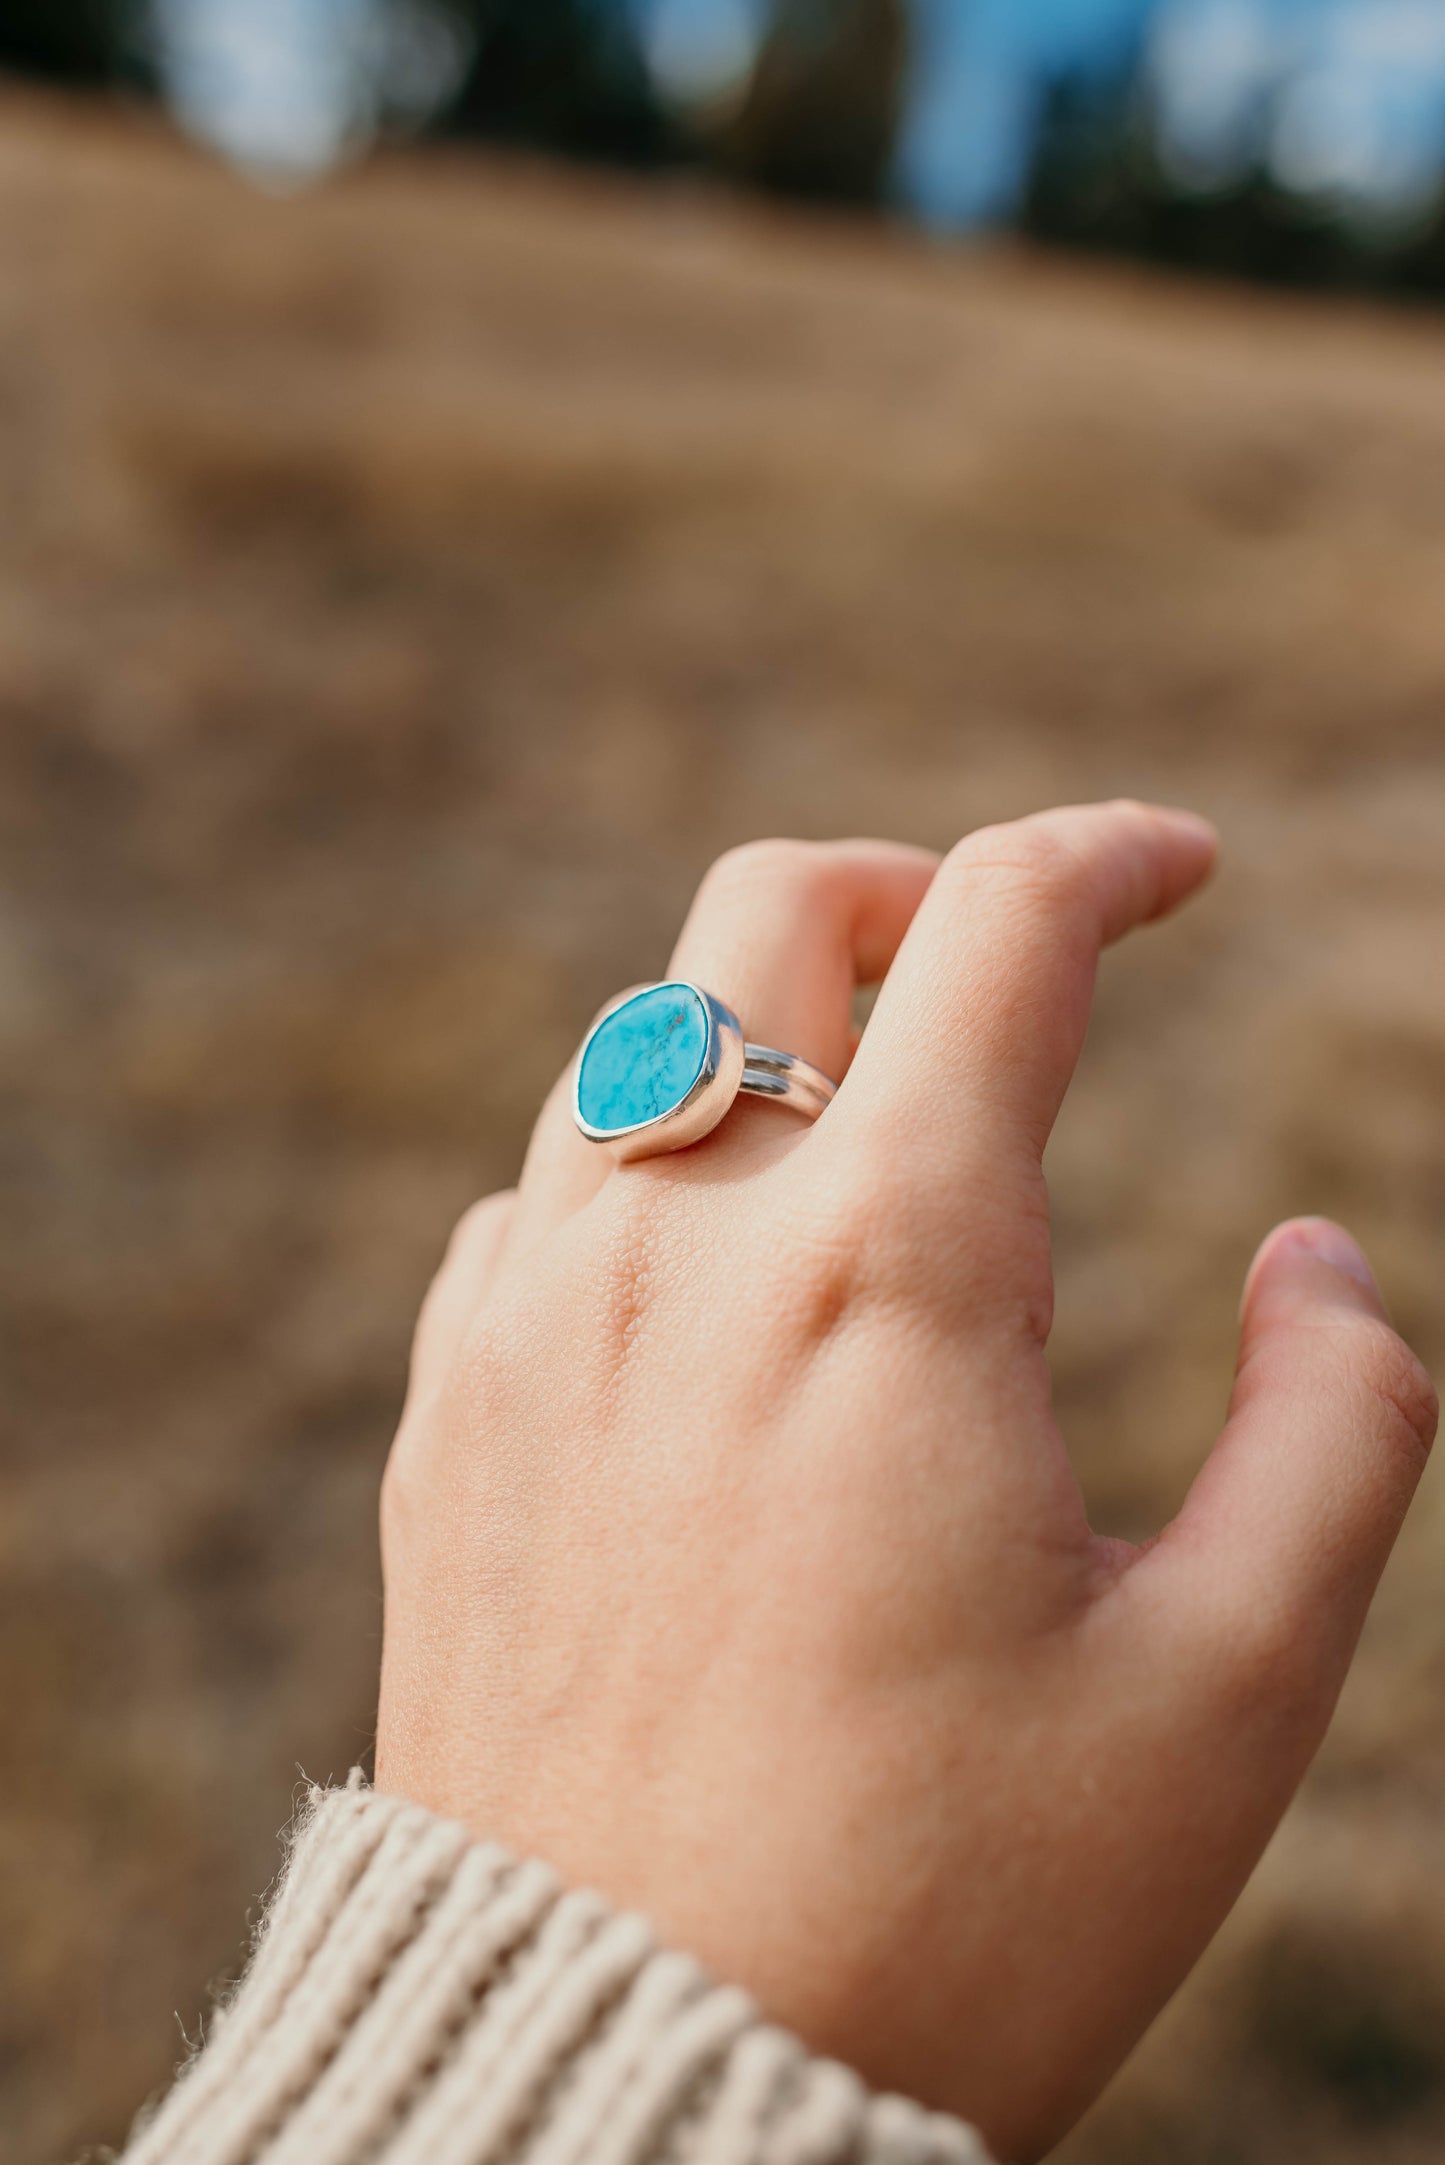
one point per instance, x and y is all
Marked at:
(734, 1561)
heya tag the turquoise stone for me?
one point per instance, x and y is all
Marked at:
(642, 1060)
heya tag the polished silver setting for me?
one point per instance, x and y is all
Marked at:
(730, 1067)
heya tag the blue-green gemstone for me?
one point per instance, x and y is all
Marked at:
(642, 1060)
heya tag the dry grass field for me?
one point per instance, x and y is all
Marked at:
(404, 592)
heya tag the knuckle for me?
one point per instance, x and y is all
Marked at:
(1396, 1391)
(839, 1254)
(989, 1262)
(770, 863)
(472, 1243)
(476, 1225)
(825, 1281)
(475, 1236)
(1026, 863)
(864, 1224)
(627, 1283)
(425, 1330)
(1028, 1289)
(1010, 1293)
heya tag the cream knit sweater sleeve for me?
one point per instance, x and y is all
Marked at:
(420, 1998)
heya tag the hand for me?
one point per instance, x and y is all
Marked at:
(734, 1562)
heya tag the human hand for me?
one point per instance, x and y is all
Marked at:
(734, 1562)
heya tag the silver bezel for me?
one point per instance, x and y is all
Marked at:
(706, 1103)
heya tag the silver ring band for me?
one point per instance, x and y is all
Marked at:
(787, 1079)
(663, 1065)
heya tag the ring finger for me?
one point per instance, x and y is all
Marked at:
(783, 933)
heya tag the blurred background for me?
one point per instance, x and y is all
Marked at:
(462, 464)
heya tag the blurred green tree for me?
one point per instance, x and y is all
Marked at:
(568, 74)
(1098, 178)
(72, 40)
(821, 114)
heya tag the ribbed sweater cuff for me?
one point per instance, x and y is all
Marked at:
(419, 1998)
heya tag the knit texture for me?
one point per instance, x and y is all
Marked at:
(419, 1998)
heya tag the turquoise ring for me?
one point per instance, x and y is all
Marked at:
(662, 1066)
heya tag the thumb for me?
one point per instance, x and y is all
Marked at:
(1291, 1520)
